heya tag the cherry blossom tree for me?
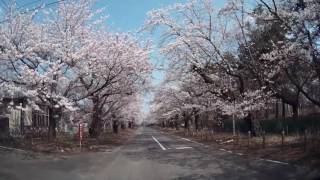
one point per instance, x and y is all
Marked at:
(241, 58)
(119, 68)
(300, 48)
(198, 41)
(68, 60)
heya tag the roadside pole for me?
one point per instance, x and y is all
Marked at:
(233, 120)
(234, 109)
(80, 134)
(233, 125)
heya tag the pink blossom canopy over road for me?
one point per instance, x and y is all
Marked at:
(69, 57)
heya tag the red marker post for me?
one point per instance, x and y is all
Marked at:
(81, 126)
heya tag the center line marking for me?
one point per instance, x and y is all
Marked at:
(162, 147)
(187, 147)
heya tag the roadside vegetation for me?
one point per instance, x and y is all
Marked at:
(244, 72)
(68, 144)
(61, 65)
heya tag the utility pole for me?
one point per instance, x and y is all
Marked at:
(234, 109)
(233, 120)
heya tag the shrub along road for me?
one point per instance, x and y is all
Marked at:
(150, 155)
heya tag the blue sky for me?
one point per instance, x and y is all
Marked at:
(129, 15)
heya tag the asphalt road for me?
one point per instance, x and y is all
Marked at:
(150, 155)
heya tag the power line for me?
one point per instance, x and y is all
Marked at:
(36, 8)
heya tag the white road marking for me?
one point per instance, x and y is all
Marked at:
(9, 148)
(162, 147)
(192, 141)
(184, 147)
(226, 151)
(279, 162)
(231, 140)
(269, 160)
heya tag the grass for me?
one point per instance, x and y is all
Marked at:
(69, 144)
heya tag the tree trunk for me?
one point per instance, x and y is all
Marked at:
(176, 122)
(248, 121)
(123, 125)
(186, 120)
(251, 124)
(115, 126)
(96, 123)
(295, 110)
(52, 120)
(277, 109)
(196, 121)
(177, 125)
(171, 124)
(257, 129)
(202, 123)
(95, 126)
(52, 124)
(283, 110)
(186, 123)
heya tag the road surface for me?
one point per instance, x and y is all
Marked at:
(151, 155)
